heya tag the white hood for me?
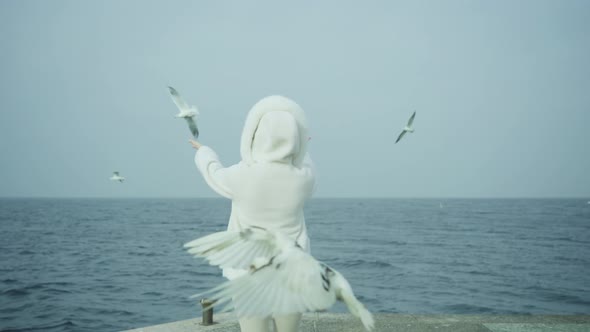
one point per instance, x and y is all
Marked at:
(275, 131)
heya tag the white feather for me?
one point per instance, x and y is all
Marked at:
(184, 110)
(234, 249)
(282, 278)
(408, 128)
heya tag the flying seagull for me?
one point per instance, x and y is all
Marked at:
(185, 111)
(117, 177)
(282, 278)
(407, 128)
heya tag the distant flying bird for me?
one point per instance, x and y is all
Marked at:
(185, 111)
(282, 278)
(407, 128)
(117, 177)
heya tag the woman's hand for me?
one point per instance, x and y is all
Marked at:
(196, 145)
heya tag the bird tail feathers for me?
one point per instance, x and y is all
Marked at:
(358, 310)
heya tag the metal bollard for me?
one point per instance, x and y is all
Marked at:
(207, 313)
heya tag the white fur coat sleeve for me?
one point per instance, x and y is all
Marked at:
(309, 167)
(219, 178)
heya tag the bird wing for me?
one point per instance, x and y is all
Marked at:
(346, 295)
(193, 127)
(234, 249)
(289, 283)
(400, 136)
(178, 100)
(411, 119)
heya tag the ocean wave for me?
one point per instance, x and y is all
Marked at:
(365, 263)
(145, 254)
(103, 311)
(62, 325)
(9, 281)
(11, 307)
(465, 308)
(16, 292)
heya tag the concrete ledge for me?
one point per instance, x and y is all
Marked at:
(327, 322)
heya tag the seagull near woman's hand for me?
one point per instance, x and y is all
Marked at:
(185, 111)
(117, 177)
(282, 278)
(408, 128)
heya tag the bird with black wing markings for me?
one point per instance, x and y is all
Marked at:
(282, 278)
(408, 128)
(185, 111)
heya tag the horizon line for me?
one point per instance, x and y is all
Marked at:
(320, 197)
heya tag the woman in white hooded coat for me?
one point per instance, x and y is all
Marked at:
(269, 186)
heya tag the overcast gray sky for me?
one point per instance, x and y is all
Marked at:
(501, 90)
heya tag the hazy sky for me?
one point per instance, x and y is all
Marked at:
(501, 90)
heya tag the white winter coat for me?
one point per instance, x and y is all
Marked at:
(269, 186)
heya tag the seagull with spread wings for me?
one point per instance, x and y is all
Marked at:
(282, 278)
(185, 111)
(408, 128)
(117, 177)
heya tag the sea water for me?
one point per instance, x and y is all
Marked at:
(115, 264)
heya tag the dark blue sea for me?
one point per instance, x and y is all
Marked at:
(116, 264)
